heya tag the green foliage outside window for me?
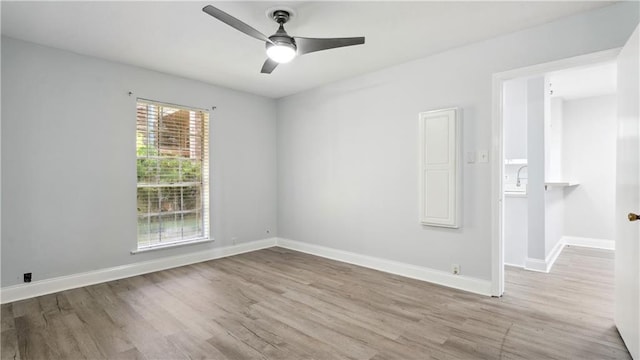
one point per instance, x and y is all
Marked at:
(159, 169)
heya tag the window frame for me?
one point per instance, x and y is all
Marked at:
(204, 188)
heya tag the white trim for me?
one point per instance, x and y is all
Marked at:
(48, 286)
(514, 265)
(546, 264)
(561, 64)
(589, 242)
(497, 203)
(461, 282)
(535, 265)
(497, 258)
(553, 254)
(170, 245)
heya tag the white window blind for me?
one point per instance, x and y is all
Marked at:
(173, 168)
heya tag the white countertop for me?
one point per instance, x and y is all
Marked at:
(560, 183)
(515, 194)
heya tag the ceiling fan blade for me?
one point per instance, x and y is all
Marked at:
(268, 66)
(235, 23)
(307, 45)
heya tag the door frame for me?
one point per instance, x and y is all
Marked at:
(497, 148)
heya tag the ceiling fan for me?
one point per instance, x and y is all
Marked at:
(282, 48)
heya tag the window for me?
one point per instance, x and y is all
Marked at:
(173, 168)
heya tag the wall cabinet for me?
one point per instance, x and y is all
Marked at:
(440, 174)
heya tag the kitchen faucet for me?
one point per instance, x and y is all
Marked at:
(518, 176)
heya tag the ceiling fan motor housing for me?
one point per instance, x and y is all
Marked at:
(280, 16)
(281, 38)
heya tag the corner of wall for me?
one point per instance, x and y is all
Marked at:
(546, 264)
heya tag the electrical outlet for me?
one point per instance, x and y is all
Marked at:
(455, 269)
(234, 239)
(268, 232)
(26, 277)
(483, 156)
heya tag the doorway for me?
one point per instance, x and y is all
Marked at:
(526, 177)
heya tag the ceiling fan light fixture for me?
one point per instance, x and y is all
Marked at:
(281, 52)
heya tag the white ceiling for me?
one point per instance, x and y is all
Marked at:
(586, 81)
(178, 38)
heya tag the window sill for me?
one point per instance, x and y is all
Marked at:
(170, 245)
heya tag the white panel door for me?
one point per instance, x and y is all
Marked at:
(439, 151)
(627, 253)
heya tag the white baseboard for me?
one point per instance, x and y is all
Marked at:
(514, 265)
(532, 264)
(589, 242)
(546, 264)
(460, 282)
(48, 286)
(553, 254)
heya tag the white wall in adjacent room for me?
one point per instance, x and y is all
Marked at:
(69, 163)
(589, 158)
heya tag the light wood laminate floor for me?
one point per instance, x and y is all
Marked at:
(281, 304)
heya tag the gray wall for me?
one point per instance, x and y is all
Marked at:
(69, 170)
(348, 151)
